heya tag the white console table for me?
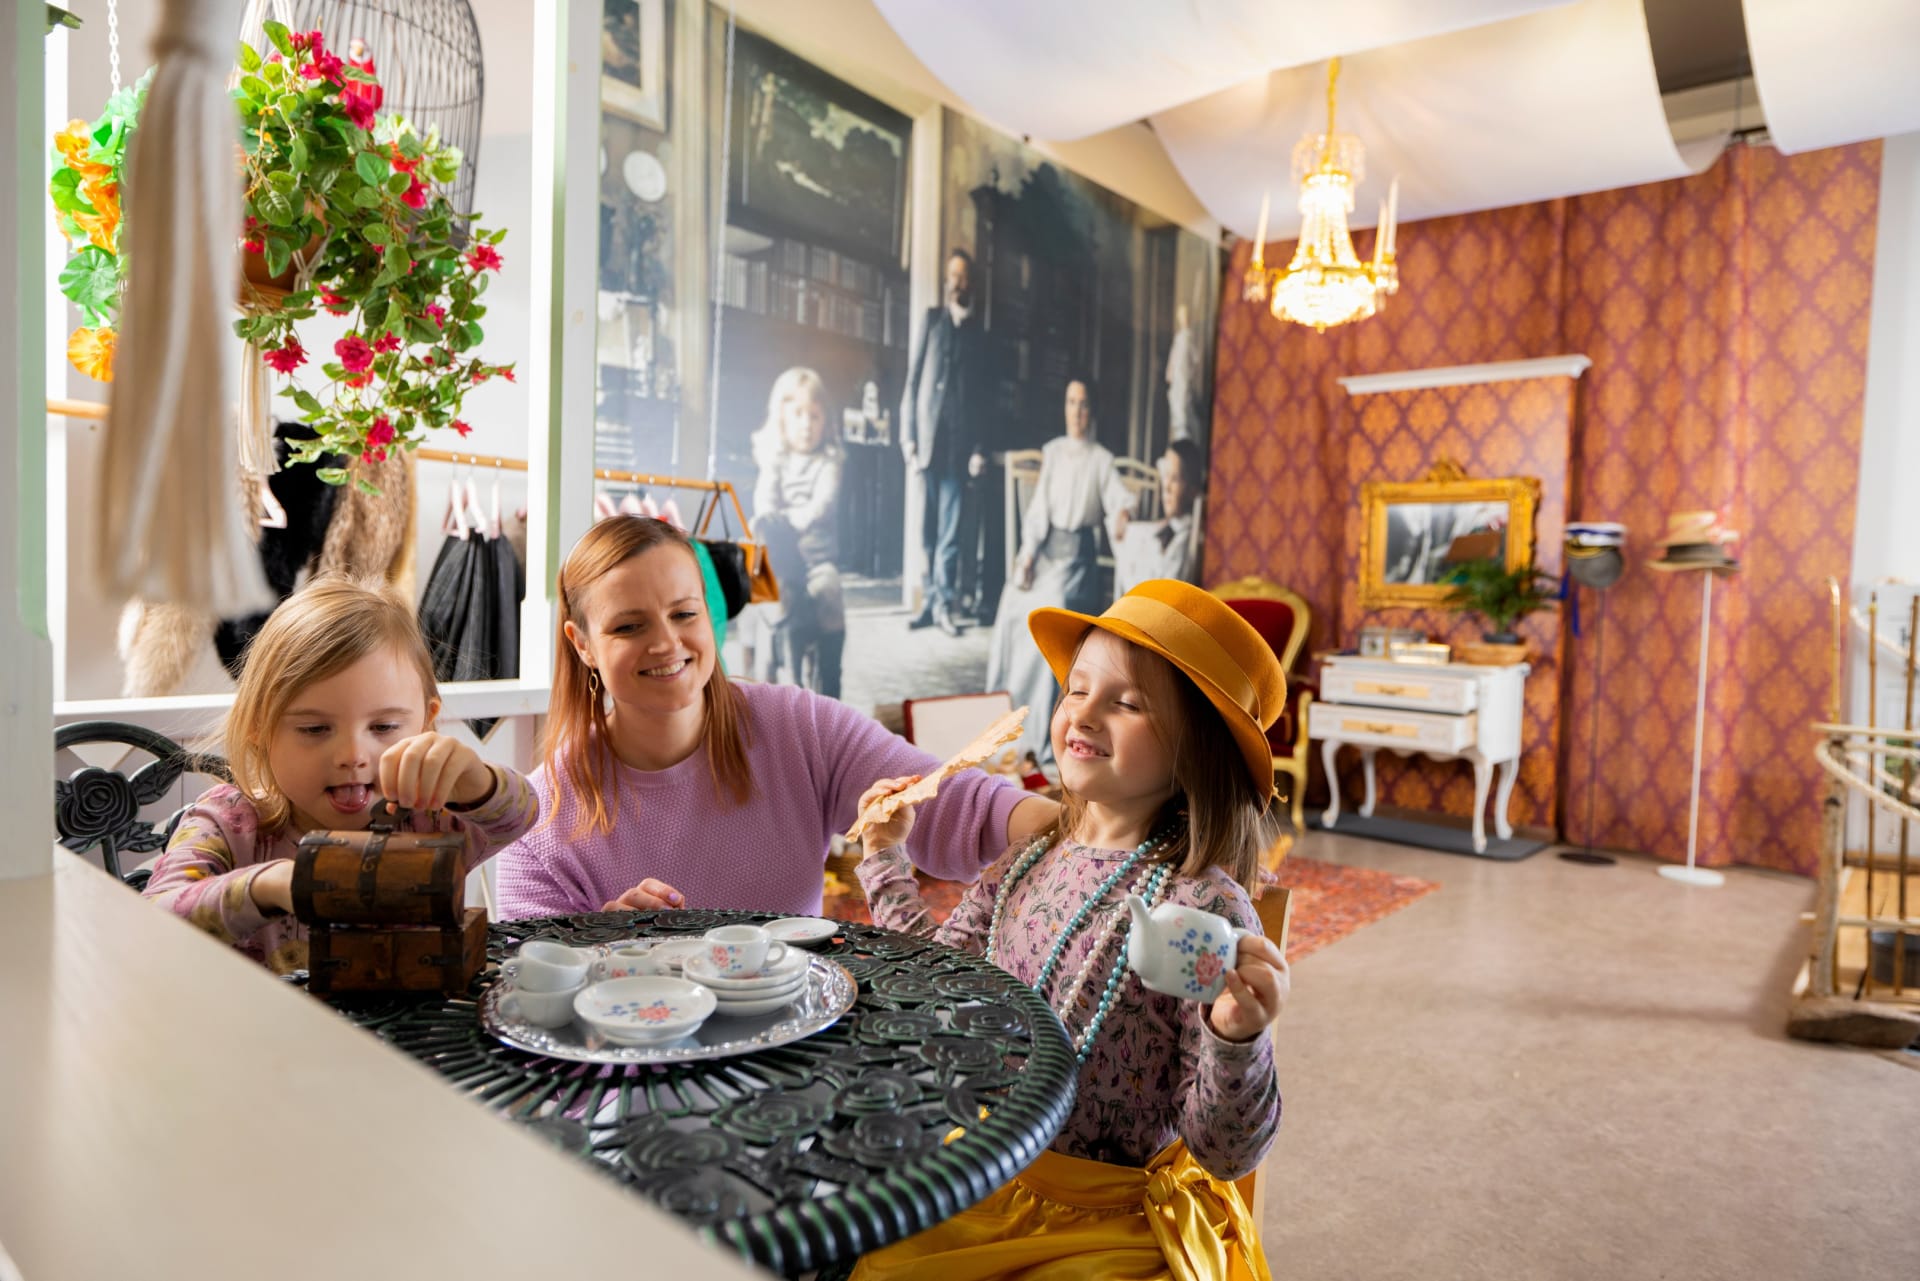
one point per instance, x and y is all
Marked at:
(1455, 711)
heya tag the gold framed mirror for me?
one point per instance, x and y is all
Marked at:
(1413, 533)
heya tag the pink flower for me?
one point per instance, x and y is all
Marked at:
(464, 429)
(399, 158)
(508, 375)
(306, 39)
(354, 353)
(483, 258)
(334, 303)
(287, 357)
(373, 455)
(325, 66)
(1207, 967)
(387, 342)
(358, 109)
(254, 246)
(415, 197)
(438, 313)
(381, 433)
(359, 380)
(481, 375)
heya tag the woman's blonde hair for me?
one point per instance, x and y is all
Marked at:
(770, 442)
(1222, 820)
(578, 743)
(318, 632)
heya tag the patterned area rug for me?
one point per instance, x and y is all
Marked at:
(1329, 901)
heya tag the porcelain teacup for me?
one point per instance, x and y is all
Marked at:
(532, 974)
(627, 963)
(741, 951)
(1182, 951)
(548, 952)
(547, 1009)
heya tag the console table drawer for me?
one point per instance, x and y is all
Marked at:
(1379, 727)
(1417, 690)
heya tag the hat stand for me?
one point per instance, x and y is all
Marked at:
(1690, 874)
(1598, 571)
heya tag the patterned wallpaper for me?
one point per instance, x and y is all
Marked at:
(1726, 315)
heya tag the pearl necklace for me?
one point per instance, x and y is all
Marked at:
(1155, 885)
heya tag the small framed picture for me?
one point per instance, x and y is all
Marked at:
(633, 61)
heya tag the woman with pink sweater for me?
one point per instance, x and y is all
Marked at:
(665, 784)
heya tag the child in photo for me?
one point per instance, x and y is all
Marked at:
(796, 514)
(1160, 735)
(335, 710)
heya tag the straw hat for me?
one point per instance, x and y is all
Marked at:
(1201, 635)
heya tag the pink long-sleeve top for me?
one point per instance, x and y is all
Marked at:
(1157, 1070)
(206, 875)
(810, 758)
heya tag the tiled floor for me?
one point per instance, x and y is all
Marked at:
(1545, 1070)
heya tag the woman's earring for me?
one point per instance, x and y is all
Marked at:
(593, 681)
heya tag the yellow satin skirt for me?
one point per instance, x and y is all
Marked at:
(1068, 1219)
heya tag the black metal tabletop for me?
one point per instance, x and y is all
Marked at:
(800, 1156)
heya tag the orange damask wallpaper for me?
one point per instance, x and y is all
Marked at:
(1726, 316)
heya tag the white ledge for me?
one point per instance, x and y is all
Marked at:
(202, 713)
(1459, 375)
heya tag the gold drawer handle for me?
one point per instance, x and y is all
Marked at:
(1391, 691)
(1381, 727)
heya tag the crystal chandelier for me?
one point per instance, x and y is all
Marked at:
(1326, 283)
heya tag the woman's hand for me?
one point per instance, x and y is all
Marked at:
(649, 895)
(1257, 987)
(430, 771)
(899, 824)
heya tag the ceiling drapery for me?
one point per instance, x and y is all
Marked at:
(1830, 74)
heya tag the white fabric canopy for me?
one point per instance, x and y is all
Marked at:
(1550, 104)
(1064, 69)
(172, 527)
(1832, 73)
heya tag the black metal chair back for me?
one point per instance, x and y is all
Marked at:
(95, 806)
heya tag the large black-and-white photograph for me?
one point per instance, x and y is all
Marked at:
(1426, 542)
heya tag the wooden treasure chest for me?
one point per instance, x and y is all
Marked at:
(386, 909)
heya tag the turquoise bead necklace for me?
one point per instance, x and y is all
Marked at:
(1154, 886)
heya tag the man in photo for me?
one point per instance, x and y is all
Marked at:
(940, 432)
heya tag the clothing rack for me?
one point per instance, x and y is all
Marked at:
(476, 460)
(94, 409)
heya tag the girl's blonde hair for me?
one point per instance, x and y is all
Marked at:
(770, 441)
(1227, 822)
(578, 741)
(318, 632)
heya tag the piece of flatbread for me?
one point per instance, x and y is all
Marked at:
(985, 744)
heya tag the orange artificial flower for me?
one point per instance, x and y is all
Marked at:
(91, 351)
(73, 143)
(100, 225)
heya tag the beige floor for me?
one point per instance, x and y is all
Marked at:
(1545, 1070)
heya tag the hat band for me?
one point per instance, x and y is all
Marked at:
(1190, 641)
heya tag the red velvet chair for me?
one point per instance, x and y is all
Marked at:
(1282, 618)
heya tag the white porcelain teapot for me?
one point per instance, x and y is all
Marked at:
(1181, 951)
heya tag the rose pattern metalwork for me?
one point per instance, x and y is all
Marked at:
(848, 1122)
(95, 806)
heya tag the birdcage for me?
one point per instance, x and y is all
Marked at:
(426, 54)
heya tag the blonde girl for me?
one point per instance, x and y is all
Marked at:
(1160, 736)
(796, 511)
(335, 709)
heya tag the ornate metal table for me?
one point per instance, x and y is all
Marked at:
(800, 1156)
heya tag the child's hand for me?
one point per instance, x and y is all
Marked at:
(894, 831)
(430, 771)
(272, 888)
(1257, 987)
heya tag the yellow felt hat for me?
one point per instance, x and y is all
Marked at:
(1200, 634)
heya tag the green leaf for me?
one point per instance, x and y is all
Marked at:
(367, 197)
(91, 278)
(279, 255)
(300, 159)
(274, 73)
(283, 181)
(332, 475)
(366, 486)
(396, 259)
(277, 32)
(274, 206)
(249, 58)
(445, 167)
(376, 234)
(65, 190)
(473, 333)
(309, 404)
(396, 319)
(351, 72)
(256, 89)
(372, 167)
(288, 104)
(419, 330)
(399, 182)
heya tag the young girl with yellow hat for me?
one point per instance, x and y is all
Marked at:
(1160, 734)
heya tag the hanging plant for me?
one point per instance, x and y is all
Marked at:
(343, 214)
(349, 203)
(86, 203)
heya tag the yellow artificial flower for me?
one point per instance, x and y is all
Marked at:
(91, 351)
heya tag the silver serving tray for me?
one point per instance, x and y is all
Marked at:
(828, 993)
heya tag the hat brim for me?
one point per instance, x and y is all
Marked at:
(1057, 633)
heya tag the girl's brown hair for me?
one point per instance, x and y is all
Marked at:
(578, 741)
(1228, 823)
(318, 632)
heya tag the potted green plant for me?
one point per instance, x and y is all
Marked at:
(1500, 595)
(343, 214)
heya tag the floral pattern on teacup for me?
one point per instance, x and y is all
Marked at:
(1206, 958)
(645, 1012)
(722, 957)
